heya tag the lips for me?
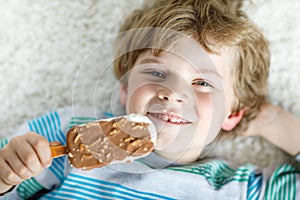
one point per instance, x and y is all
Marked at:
(169, 117)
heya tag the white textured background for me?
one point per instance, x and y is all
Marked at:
(43, 45)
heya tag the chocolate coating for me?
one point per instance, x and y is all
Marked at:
(102, 142)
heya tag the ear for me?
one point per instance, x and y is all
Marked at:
(123, 94)
(232, 120)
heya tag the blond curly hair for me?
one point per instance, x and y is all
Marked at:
(220, 21)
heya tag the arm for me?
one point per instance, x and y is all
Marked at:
(22, 158)
(278, 126)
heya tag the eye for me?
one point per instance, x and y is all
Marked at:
(202, 83)
(156, 74)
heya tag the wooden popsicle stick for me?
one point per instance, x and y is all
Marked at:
(57, 149)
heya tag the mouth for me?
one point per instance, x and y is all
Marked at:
(169, 118)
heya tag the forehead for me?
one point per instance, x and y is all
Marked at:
(189, 54)
(176, 63)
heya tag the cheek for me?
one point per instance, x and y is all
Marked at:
(138, 99)
(211, 110)
(205, 111)
(204, 105)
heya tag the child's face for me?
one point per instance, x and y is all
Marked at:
(188, 99)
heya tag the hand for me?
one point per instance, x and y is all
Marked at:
(22, 158)
(278, 126)
(263, 120)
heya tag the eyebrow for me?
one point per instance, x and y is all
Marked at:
(149, 60)
(203, 71)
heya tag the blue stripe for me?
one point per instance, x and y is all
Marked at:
(118, 186)
(61, 137)
(57, 134)
(42, 131)
(55, 195)
(107, 114)
(55, 172)
(109, 190)
(57, 120)
(45, 126)
(76, 194)
(35, 128)
(30, 126)
(50, 124)
(254, 186)
(96, 191)
(57, 168)
(53, 120)
(58, 164)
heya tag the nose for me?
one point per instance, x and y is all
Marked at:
(166, 94)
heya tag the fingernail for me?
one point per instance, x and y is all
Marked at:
(47, 164)
(15, 178)
(36, 167)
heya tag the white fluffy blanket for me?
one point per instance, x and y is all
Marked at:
(44, 46)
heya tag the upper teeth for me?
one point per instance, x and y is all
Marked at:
(170, 118)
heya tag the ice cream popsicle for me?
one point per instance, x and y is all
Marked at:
(103, 142)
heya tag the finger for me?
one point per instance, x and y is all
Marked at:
(5, 187)
(7, 174)
(29, 158)
(55, 143)
(19, 168)
(22, 158)
(42, 149)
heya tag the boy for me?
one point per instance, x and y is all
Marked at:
(194, 68)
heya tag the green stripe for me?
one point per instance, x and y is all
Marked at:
(282, 184)
(3, 142)
(80, 120)
(293, 190)
(83, 118)
(217, 172)
(226, 169)
(29, 187)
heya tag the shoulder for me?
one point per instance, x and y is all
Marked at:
(64, 115)
(282, 182)
(218, 172)
(55, 124)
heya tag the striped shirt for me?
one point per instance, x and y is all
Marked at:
(148, 178)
